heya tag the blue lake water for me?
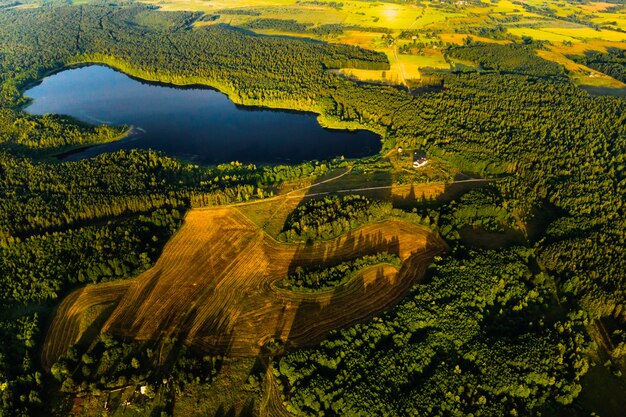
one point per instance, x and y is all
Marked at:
(193, 123)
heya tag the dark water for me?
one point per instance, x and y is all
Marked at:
(197, 124)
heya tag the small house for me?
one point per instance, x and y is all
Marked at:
(419, 159)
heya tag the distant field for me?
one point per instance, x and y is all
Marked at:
(433, 22)
(212, 287)
(459, 38)
(557, 34)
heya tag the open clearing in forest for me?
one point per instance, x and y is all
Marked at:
(212, 287)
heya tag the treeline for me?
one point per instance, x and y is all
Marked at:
(332, 216)
(38, 197)
(325, 278)
(333, 4)
(286, 25)
(514, 59)
(51, 131)
(327, 29)
(110, 363)
(474, 340)
(240, 12)
(481, 209)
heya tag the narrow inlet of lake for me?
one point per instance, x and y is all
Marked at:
(196, 124)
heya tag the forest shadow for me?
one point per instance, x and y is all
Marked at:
(457, 188)
(314, 320)
(352, 245)
(375, 185)
(483, 239)
(358, 300)
(142, 293)
(93, 330)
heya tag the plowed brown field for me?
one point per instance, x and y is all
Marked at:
(213, 287)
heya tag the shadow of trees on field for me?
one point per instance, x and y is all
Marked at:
(125, 325)
(353, 245)
(359, 301)
(375, 185)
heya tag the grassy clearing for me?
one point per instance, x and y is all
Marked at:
(391, 76)
(599, 84)
(596, 83)
(359, 38)
(212, 286)
(270, 215)
(229, 394)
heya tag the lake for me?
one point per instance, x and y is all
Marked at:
(193, 123)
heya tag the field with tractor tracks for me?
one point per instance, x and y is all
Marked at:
(212, 287)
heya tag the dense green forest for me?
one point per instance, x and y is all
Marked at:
(507, 59)
(510, 323)
(331, 216)
(470, 341)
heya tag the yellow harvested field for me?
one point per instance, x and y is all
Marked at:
(596, 6)
(432, 58)
(206, 5)
(384, 15)
(556, 34)
(391, 76)
(73, 310)
(459, 39)
(591, 80)
(553, 55)
(358, 38)
(592, 45)
(589, 33)
(506, 6)
(612, 19)
(212, 286)
(541, 35)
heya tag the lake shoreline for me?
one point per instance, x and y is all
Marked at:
(74, 149)
(195, 123)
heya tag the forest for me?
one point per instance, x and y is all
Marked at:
(511, 323)
(612, 63)
(464, 343)
(332, 216)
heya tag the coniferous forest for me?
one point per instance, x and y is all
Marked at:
(489, 331)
